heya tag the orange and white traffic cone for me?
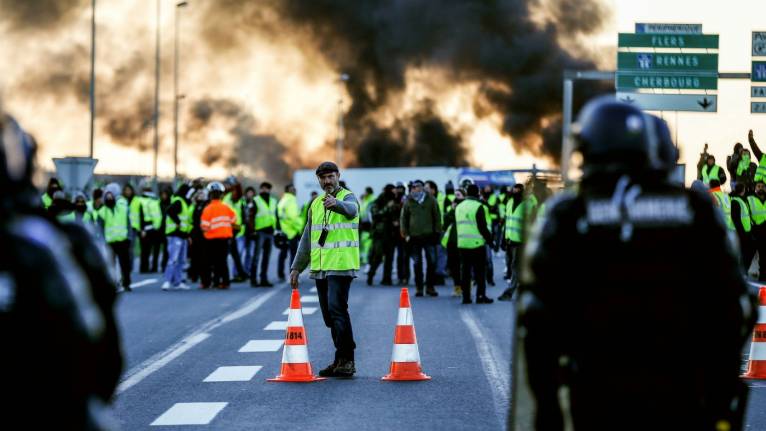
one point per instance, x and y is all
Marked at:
(756, 367)
(295, 356)
(405, 359)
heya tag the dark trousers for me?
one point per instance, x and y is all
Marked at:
(453, 263)
(217, 252)
(333, 300)
(512, 255)
(198, 262)
(236, 258)
(746, 251)
(382, 251)
(164, 247)
(292, 248)
(474, 262)
(122, 254)
(150, 248)
(262, 252)
(402, 261)
(418, 247)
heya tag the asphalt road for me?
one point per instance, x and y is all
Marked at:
(173, 341)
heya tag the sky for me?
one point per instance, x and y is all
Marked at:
(733, 21)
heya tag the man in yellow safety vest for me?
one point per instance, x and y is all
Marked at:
(329, 246)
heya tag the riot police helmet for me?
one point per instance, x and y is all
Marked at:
(614, 137)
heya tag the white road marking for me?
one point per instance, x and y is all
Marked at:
(497, 375)
(312, 298)
(233, 374)
(276, 326)
(143, 283)
(159, 360)
(190, 414)
(306, 310)
(261, 346)
(313, 290)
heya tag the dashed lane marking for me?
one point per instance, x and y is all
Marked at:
(311, 298)
(498, 376)
(233, 374)
(156, 362)
(261, 346)
(313, 290)
(190, 414)
(143, 283)
(276, 326)
(306, 310)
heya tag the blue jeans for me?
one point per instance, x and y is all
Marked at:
(418, 247)
(441, 261)
(333, 301)
(174, 272)
(239, 243)
(262, 253)
(248, 248)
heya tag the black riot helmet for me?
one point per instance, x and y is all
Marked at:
(17, 155)
(614, 138)
(667, 153)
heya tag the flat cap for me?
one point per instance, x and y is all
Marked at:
(326, 167)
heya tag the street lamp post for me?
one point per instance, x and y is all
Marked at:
(92, 75)
(176, 96)
(156, 93)
(341, 131)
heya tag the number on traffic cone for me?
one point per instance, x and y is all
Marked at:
(756, 366)
(296, 366)
(405, 359)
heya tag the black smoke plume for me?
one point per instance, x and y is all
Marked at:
(376, 41)
(245, 150)
(35, 15)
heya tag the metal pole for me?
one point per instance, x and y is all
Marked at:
(157, 94)
(566, 129)
(175, 90)
(92, 75)
(339, 142)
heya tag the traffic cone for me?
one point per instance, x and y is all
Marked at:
(756, 366)
(295, 356)
(405, 359)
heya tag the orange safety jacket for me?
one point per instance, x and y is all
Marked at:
(217, 220)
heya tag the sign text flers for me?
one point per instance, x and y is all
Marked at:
(671, 102)
(664, 62)
(666, 81)
(649, 40)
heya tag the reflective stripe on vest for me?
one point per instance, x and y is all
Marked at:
(724, 203)
(760, 171)
(744, 214)
(468, 235)
(757, 210)
(115, 221)
(514, 221)
(289, 218)
(183, 217)
(267, 214)
(340, 251)
(710, 175)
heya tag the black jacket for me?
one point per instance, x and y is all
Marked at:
(611, 294)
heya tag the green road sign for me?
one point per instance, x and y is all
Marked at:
(666, 62)
(666, 81)
(650, 40)
(758, 73)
